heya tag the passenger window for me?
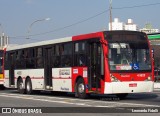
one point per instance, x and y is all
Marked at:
(57, 50)
(56, 56)
(20, 61)
(30, 58)
(66, 55)
(79, 54)
(39, 57)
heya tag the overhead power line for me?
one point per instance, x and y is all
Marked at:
(127, 7)
(61, 28)
(84, 20)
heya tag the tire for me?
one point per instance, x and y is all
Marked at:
(20, 86)
(81, 89)
(2, 87)
(28, 87)
(122, 95)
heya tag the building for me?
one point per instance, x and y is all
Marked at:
(117, 25)
(148, 29)
(130, 25)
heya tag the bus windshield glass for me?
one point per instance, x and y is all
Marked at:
(129, 53)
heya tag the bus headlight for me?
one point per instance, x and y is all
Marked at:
(113, 78)
(149, 78)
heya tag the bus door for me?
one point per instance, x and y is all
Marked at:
(94, 65)
(12, 57)
(48, 68)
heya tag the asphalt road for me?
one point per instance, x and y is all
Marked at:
(68, 104)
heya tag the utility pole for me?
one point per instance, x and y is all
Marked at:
(1, 28)
(4, 40)
(110, 12)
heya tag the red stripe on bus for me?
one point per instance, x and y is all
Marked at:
(87, 36)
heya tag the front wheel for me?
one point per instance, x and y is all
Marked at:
(81, 89)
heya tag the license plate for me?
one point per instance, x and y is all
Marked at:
(133, 85)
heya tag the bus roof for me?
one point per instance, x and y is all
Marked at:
(36, 44)
(54, 41)
(66, 39)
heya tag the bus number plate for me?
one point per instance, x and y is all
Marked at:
(133, 85)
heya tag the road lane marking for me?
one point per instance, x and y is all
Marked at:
(89, 103)
(74, 99)
(44, 100)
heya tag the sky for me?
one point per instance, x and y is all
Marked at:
(70, 17)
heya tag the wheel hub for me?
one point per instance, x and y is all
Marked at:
(28, 87)
(21, 85)
(81, 88)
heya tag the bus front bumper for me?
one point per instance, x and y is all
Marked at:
(128, 87)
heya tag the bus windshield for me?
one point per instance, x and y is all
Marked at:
(128, 51)
(123, 56)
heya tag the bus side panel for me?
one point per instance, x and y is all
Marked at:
(37, 83)
(36, 76)
(62, 79)
(79, 72)
(6, 78)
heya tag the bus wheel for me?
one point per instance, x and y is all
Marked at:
(122, 95)
(81, 89)
(20, 86)
(2, 87)
(29, 87)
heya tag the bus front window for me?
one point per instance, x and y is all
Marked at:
(123, 57)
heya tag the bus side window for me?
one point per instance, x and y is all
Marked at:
(66, 55)
(79, 54)
(27, 57)
(20, 59)
(6, 63)
(39, 57)
(30, 60)
(56, 56)
(1, 64)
